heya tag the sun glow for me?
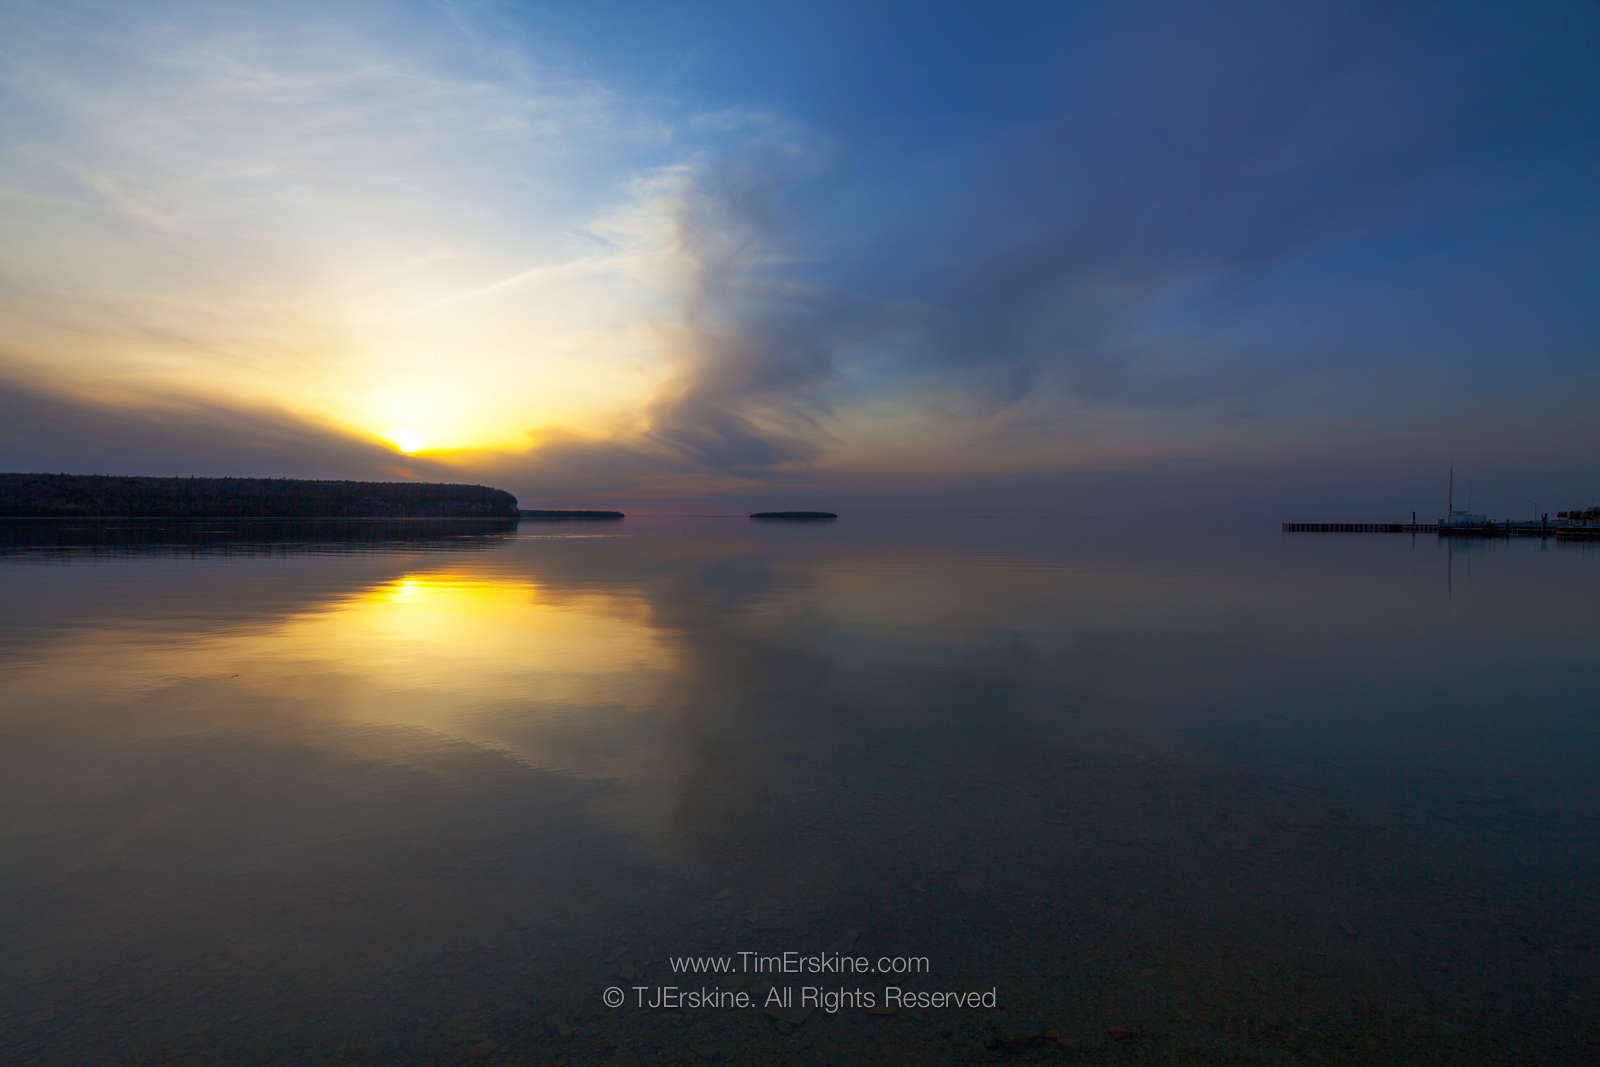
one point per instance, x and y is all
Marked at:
(408, 441)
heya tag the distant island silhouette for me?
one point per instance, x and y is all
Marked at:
(537, 513)
(802, 515)
(108, 496)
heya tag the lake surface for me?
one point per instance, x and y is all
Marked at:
(413, 793)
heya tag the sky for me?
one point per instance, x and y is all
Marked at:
(1301, 258)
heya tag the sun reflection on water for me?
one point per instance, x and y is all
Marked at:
(485, 658)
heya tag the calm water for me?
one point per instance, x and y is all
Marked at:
(415, 794)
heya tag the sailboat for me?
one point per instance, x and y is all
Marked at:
(1460, 521)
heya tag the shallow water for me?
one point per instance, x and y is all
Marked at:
(423, 794)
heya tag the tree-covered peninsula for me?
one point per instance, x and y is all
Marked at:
(104, 496)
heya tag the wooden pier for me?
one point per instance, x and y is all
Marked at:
(1360, 527)
(1560, 531)
(1578, 525)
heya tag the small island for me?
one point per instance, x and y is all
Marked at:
(801, 516)
(536, 513)
(84, 496)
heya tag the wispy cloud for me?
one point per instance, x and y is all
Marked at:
(225, 188)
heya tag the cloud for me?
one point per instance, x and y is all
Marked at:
(752, 351)
(200, 194)
(1143, 230)
(43, 430)
(754, 354)
(1136, 235)
(1163, 262)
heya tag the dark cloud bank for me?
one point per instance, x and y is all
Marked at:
(44, 430)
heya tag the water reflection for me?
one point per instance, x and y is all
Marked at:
(80, 538)
(405, 804)
(490, 660)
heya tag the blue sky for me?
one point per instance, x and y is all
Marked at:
(661, 254)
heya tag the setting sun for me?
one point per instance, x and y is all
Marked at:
(408, 441)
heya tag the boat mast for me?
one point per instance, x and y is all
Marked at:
(1452, 504)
